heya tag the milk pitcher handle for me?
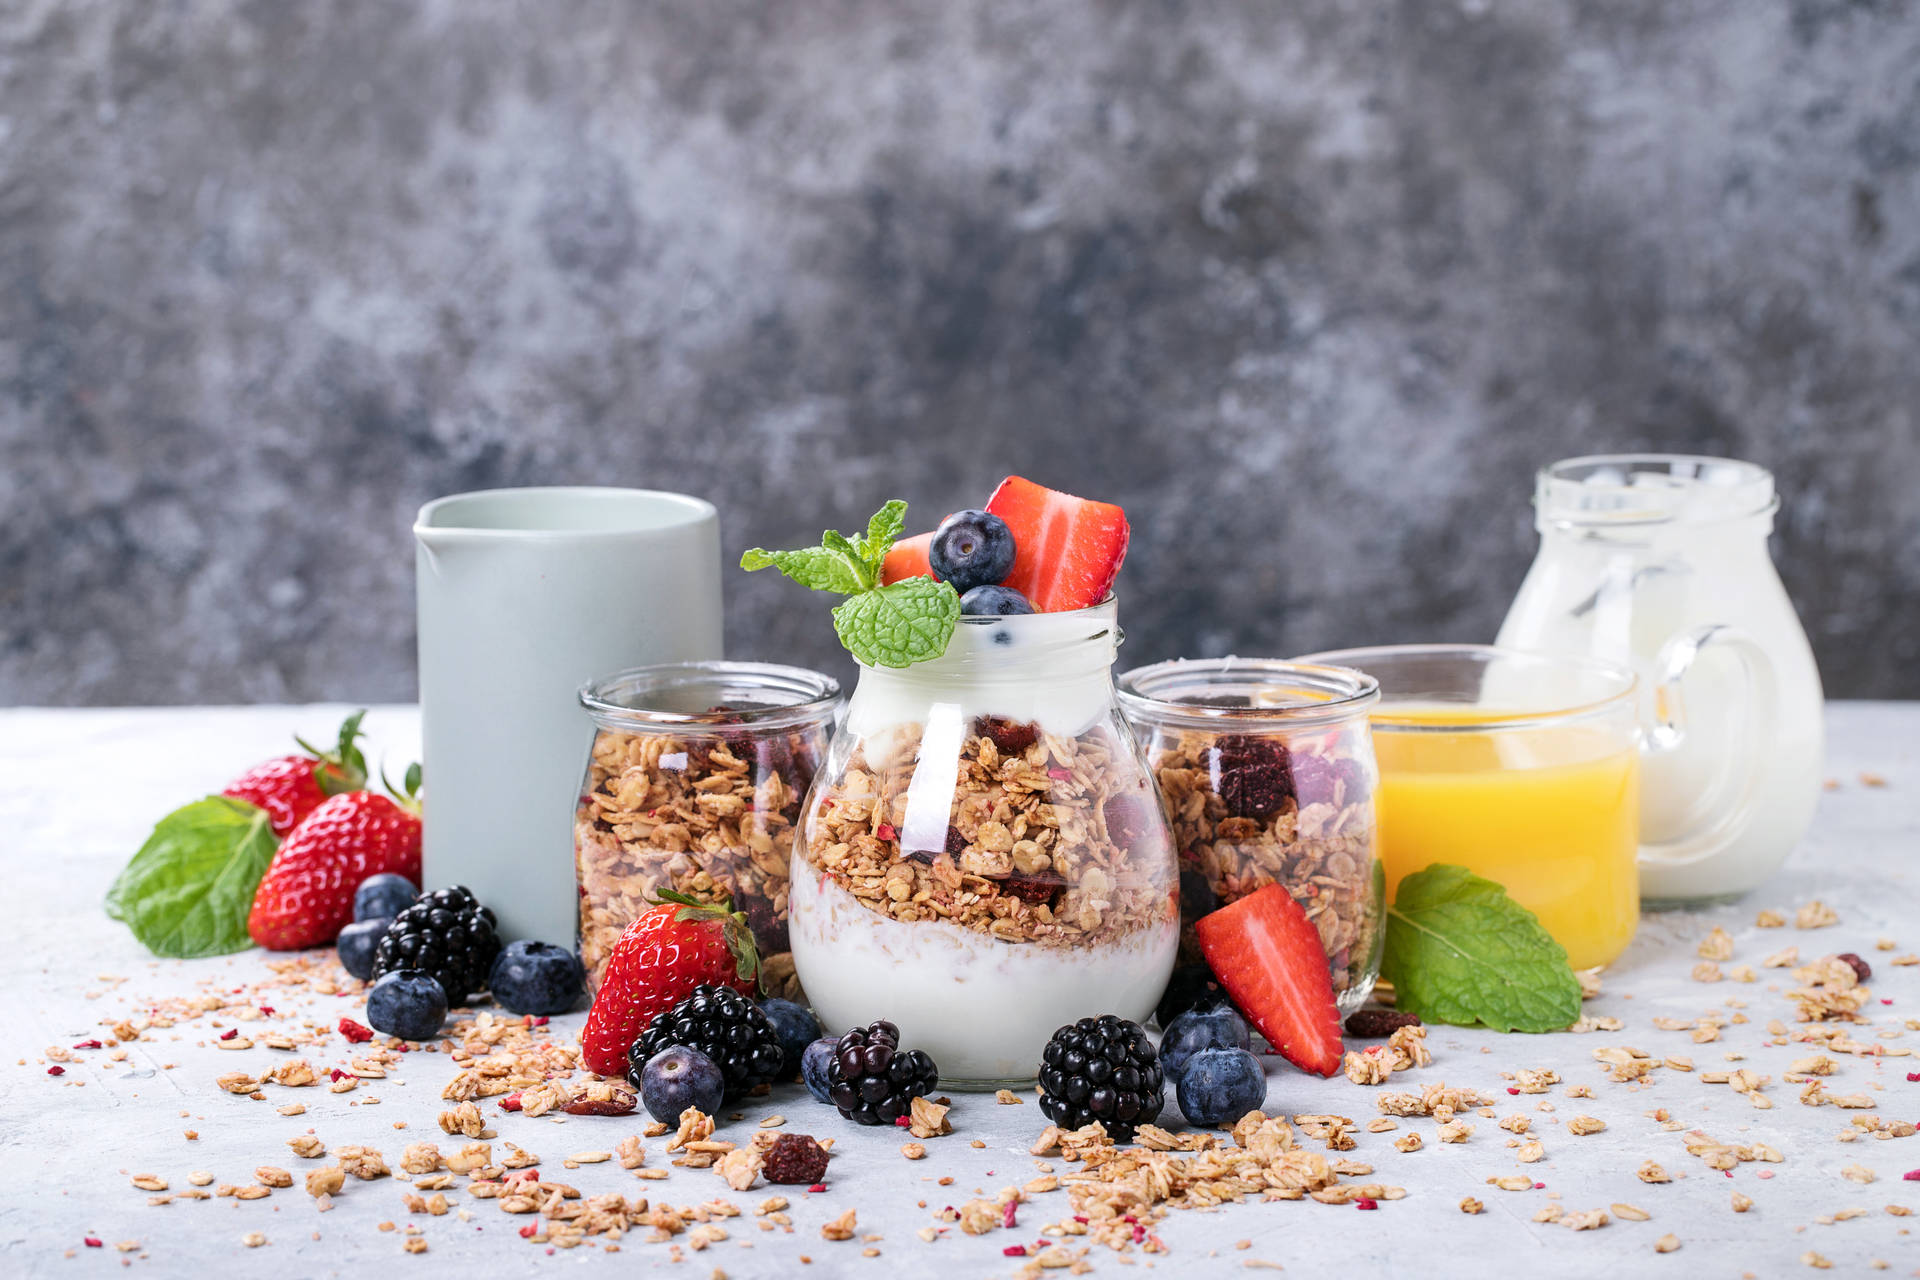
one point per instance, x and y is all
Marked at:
(1725, 803)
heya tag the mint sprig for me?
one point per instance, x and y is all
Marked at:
(891, 625)
(189, 889)
(1460, 951)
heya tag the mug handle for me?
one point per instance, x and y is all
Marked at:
(1724, 804)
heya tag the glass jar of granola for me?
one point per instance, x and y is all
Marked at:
(1267, 773)
(982, 859)
(695, 782)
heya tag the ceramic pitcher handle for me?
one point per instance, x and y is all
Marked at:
(1726, 802)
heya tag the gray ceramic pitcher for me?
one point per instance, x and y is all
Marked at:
(524, 595)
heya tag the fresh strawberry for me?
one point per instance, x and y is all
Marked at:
(1268, 956)
(907, 559)
(1066, 549)
(291, 787)
(671, 949)
(306, 897)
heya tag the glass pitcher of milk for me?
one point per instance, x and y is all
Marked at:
(1660, 562)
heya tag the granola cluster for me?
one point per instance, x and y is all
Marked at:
(710, 815)
(1049, 840)
(1248, 811)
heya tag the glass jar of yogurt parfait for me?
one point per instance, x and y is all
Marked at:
(695, 783)
(982, 858)
(1267, 773)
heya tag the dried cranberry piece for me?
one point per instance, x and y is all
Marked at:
(619, 1105)
(1860, 967)
(795, 1159)
(1128, 819)
(1011, 736)
(1318, 778)
(1252, 775)
(1032, 888)
(1378, 1024)
(355, 1032)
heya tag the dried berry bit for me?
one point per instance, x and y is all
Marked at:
(795, 1160)
(1378, 1024)
(1011, 736)
(1860, 967)
(1252, 775)
(621, 1103)
(1317, 779)
(1032, 888)
(1128, 819)
(354, 1031)
(956, 845)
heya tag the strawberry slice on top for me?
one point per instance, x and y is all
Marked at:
(1268, 956)
(1067, 549)
(908, 559)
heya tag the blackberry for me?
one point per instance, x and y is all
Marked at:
(871, 1081)
(449, 935)
(723, 1024)
(1101, 1070)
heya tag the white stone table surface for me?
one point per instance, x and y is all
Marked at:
(80, 788)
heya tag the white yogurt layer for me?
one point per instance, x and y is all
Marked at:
(1054, 669)
(983, 1009)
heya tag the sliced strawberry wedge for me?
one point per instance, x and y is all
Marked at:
(1268, 956)
(1067, 549)
(908, 559)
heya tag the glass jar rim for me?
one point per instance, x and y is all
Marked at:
(1325, 693)
(1575, 492)
(1624, 681)
(801, 696)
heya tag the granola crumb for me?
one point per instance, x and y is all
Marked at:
(841, 1228)
(914, 1151)
(1470, 1205)
(1742, 1202)
(1008, 1098)
(1666, 1243)
(1815, 915)
(253, 1239)
(1769, 919)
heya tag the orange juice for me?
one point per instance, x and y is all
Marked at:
(1550, 811)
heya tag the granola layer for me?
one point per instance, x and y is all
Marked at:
(1239, 822)
(711, 816)
(1051, 841)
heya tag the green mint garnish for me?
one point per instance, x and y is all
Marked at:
(1459, 950)
(187, 892)
(895, 625)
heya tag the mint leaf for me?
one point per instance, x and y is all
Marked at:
(1459, 950)
(898, 625)
(189, 889)
(815, 567)
(883, 530)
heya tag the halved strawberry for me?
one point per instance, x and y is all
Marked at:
(908, 559)
(1268, 956)
(1066, 549)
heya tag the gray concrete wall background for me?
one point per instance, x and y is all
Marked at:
(1311, 289)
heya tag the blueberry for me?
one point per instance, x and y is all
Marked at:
(1219, 1086)
(535, 977)
(356, 944)
(797, 1028)
(971, 548)
(1190, 985)
(813, 1067)
(383, 895)
(1197, 897)
(994, 602)
(677, 1078)
(1203, 1027)
(407, 1003)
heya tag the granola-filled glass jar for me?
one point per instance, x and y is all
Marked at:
(1267, 773)
(695, 782)
(982, 858)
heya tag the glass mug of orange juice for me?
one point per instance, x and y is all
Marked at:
(1523, 768)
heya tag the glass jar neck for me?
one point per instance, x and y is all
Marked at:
(692, 697)
(1638, 498)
